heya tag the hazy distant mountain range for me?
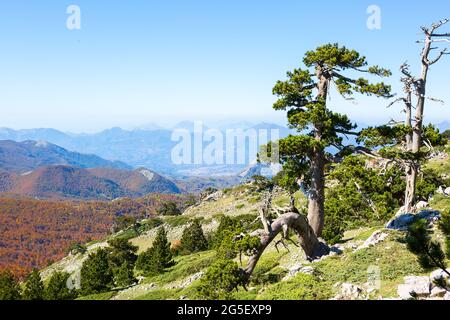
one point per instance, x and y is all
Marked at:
(44, 170)
(149, 146)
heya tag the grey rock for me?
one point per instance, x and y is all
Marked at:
(349, 291)
(437, 274)
(403, 221)
(421, 205)
(419, 285)
(447, 191)
(375, 238)
(296, 269)
(437, 292)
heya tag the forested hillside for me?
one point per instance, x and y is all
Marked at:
(36, 232)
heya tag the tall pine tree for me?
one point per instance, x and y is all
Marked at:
(96, 273)
(157, 258)
(193, 239)
(305, 96)
(34, 287)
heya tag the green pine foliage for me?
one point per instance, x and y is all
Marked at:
(124, 275)
(360, 196)
(221, 278)
(168, 208)
(157, 258)
(58, 287)
(444, 226)
(231, 238)
(122, 254)
(34, 287)
(193, 240)
(9, 286)
(428, 251)
(96, 273)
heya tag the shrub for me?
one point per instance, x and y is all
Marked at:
(168, 208)
(193, 239)
(9, 286)
(96, 273)
(34, 287)
(221, 278)
(228, 239)
(122, 254)
(76, 247)
(157, 258)
(57, 287)
(123, 222)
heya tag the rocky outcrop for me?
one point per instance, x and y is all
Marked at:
(424, 287)
(402, 221)
(296, 269)
(414, 286)
(375, 238)
(349, 291)
(443, 190)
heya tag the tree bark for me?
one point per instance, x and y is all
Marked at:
(416, 142)
(411, 176)
(310, 243)
(316, 196)
(410, 169)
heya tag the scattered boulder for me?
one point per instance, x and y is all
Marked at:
(375, 238)
(443, 190)
(447, 296)
(437, 292)
(421, 205)
(349, 291)
(402, 221)
(439, 273)
(298, 268)
(187, 282)
(140, 279)
(419, 286)
(213, 196)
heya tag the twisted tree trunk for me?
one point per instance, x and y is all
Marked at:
(308, 240)
(316, 199)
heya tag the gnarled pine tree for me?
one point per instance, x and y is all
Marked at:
(304, 95)
(412, 134)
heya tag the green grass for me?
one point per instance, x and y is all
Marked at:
(440, 202)
(184, 267)
(159, 294)
(391, 257)
(98, 296)
(176, 221)
(301, 287)
(240, 206)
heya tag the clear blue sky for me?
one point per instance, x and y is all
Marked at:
(135, 62)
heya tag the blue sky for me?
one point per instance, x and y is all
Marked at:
(136, 62)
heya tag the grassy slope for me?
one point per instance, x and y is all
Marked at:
(390, 256)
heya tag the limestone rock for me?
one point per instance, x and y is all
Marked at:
(419, 285)
(375, 238)
(437, 292)
(437, 274)
(298, 268)
(421, 205)
(402, 222)
(349, 291)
